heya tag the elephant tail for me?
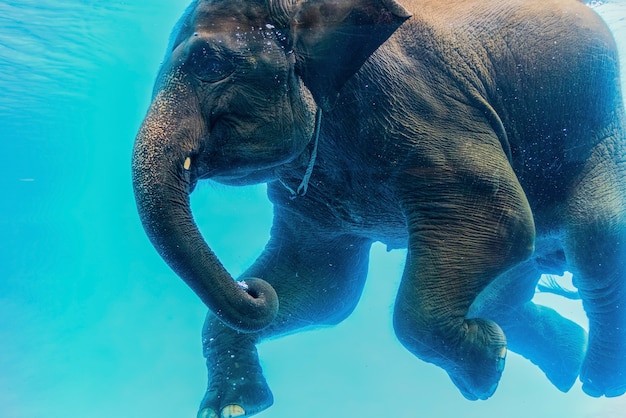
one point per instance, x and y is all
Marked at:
(550, 284)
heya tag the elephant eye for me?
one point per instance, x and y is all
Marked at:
(208, 66)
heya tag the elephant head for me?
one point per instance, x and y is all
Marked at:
(236, 101)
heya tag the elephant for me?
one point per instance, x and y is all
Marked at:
(487, 137)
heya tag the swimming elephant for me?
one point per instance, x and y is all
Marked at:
(487, 137)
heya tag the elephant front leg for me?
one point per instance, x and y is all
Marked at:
(460, 241)
(237, 386)
(318, 277)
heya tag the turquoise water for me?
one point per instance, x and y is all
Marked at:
(94, 324)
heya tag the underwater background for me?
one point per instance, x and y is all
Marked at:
(94, 324)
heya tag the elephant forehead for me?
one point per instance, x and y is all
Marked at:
(229, 16)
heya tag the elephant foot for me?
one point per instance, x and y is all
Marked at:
(603, 371)
(480, 360)
(236, 385)
(241, 393)
(553, 343)
(562, 366)
(229, 411)
(473, 355)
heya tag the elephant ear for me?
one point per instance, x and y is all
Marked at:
(333, 38)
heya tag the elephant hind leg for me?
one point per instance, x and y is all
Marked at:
(554, 343)
(540, 334)
(596, 252)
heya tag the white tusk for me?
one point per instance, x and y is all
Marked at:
(187, 164)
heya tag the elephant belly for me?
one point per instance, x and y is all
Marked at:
(373, 217)
(367, 211)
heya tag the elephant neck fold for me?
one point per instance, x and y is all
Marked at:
(304, 184)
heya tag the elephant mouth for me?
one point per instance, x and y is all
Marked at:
(242, 172)
(244, 179)
(241, 163)
(236, 172)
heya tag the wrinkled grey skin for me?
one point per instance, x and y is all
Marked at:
(487, 137)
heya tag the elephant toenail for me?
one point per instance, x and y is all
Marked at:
(232, 411)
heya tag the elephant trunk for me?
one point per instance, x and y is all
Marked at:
(162, 180)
